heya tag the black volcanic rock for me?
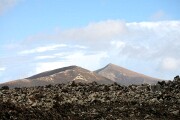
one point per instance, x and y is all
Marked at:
(124, 76)
(77, 101)
(57, 76)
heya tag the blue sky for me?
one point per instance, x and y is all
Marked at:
(40, 35)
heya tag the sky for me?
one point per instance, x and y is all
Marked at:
(41, 35)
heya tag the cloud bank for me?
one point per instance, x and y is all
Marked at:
(146, 47)
(42, 49)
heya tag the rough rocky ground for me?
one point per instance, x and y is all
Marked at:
(76, 101)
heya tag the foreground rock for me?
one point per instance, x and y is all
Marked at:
(92, 101)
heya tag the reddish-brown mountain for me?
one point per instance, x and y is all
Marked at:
(124, 76)
(57, 76)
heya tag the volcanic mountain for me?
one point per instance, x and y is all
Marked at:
(57, 76)
(124, 76)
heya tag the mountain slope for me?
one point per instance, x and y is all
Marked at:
(57, 76)
(124, 76)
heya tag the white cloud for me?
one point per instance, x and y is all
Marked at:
(44, 57)
(43, 49)
(118, 44)
(170, 63)
(7, 4)
(99, 35)
(89, 61)
(2, 68)
(45, 66)
(143, 43)
(96, 33)
(91, 35)
(79, 46)
(61, 54)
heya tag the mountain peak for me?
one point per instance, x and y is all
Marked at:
(110, 65)
(58, 76)
(124, 76)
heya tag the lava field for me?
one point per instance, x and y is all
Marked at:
(81, 101)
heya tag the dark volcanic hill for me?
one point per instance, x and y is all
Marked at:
(57, 76)
(124, 76)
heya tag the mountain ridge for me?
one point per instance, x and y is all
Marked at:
(125, 76)
(107, 75)
(58, 76)
(51, 72)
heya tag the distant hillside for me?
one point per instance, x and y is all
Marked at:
(57, 76)
(124, 76)
(107, 75)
